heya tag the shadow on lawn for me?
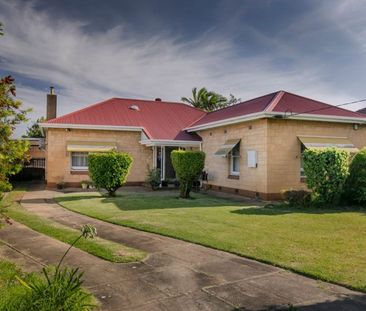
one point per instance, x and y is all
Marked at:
(284, 210)
(146, 202)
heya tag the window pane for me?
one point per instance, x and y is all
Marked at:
(79, 159)
(235, 167)
(236, 150)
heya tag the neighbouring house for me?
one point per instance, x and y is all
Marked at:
(34, 168)
(253, 148)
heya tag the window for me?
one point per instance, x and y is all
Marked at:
(235, 160)
(79, 160)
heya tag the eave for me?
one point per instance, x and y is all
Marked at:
(279, 115)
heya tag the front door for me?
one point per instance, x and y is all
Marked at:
(169, 170)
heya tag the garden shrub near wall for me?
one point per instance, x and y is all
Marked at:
(188, 166)
(355, 189)
(326, 172)
(109, 170)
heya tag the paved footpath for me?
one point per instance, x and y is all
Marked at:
(176, 275)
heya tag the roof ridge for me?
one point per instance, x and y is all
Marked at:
(275, 100)
(162, 102)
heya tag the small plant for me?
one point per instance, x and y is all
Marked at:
(84, 184)
(188, 166)
(109, 170)
(326, 172)
(297, 198)
(91, 185)
(61, 288)
(61, 185)
(153, 178)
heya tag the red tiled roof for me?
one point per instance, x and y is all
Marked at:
(160, 120)
(282, 102)
(167, 120)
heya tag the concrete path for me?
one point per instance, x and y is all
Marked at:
(175, 276)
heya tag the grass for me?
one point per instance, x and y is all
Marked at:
(15, 296)
(104, 249)
(325, 244)
(10, 288)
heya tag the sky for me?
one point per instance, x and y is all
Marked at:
(94, 50)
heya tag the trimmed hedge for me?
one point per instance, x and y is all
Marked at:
(326, 172)
(109, 170)
(356, 181)
(188, 166)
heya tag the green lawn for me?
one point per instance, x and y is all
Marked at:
(107, 250)
(326, 244)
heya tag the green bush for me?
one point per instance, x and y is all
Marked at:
(326, 172)
(188, 166)
(355, 188)
(297, 198)
(153, 178)
(109, 170)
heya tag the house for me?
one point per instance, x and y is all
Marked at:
(253, 148)
(34, 167)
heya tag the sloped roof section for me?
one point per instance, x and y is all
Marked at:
(255, 105)
(160, 120)
(281, 102)
(292, 103)
(363, 111)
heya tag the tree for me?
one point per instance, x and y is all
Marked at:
(209, 101)
(188, 166)
(355, 188)
(13, 153)
(109, 170)
(326, 172)
(34, 131)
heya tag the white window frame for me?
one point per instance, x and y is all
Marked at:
(232, 157)
(78, 168)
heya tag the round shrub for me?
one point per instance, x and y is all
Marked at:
(326, 172)
(297, 198)
(355, 189)
(109, 170)
(188, 166)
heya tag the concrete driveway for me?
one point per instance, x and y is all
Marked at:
(176, 275)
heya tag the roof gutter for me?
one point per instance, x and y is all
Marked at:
(92, 127)
(170, 143)
(278, 115)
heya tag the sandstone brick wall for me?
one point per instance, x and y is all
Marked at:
(253, 136)
(58, 162)
(284, 148)
(278, 150)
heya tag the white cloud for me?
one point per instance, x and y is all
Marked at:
(90, 67)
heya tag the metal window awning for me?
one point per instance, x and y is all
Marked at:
(328, 142)
(78, 146)
(227, 147)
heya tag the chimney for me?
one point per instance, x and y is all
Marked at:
(51, 104)
(158, 99)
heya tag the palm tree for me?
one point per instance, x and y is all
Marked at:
(205, 100)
